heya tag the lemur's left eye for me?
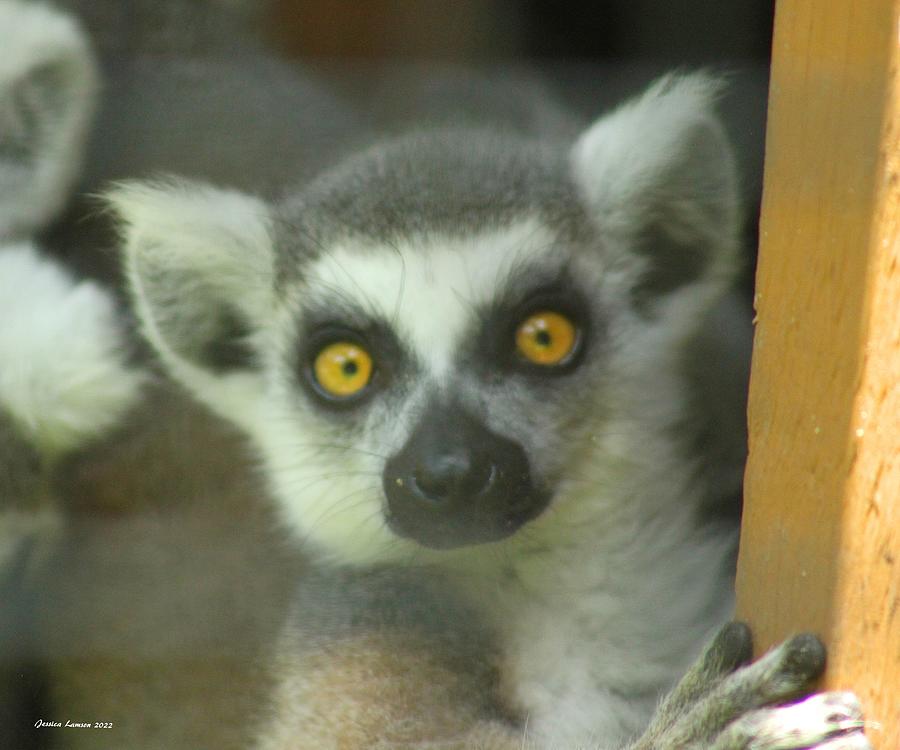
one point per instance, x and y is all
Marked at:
(546, 338)
(342, 369)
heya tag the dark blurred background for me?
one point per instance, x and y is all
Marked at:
(673, 32)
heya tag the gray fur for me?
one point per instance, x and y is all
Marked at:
(343, 601)
(450, 181)
(716, 363)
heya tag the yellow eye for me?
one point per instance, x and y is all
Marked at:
(546, 338)
(342, 369)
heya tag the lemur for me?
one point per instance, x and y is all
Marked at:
(65, 374)
(472, 363)
(65, 378)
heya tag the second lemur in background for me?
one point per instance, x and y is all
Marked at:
(65, 378)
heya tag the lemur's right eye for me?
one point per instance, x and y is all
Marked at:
(342, 369)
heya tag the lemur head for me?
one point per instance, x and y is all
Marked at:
(429, 341)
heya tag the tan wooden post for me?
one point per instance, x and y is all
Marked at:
(820, 545)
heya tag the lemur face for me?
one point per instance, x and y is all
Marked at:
(453, 377)
(444, 350)
(431, 343)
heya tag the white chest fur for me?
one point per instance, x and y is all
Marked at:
(596, 626)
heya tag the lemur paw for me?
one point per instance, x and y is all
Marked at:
(724, 703)
(825, 721)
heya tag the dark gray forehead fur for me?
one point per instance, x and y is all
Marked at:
(455, 182)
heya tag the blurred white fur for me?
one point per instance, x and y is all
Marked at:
(64, 377)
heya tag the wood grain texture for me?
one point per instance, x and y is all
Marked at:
(820, 546)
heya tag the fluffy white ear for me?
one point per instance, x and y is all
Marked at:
(200, 265)
(658, 175)
(48, 85)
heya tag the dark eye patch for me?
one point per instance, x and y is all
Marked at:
(530, 290)
(327, 325)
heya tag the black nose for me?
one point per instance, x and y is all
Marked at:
(452, 471)
(457, 482)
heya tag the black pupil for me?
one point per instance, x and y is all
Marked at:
(543, 338)
(350, 368)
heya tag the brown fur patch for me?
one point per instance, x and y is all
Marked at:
(381, 690)
(170, 587)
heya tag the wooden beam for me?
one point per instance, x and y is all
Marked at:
(820, 545)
